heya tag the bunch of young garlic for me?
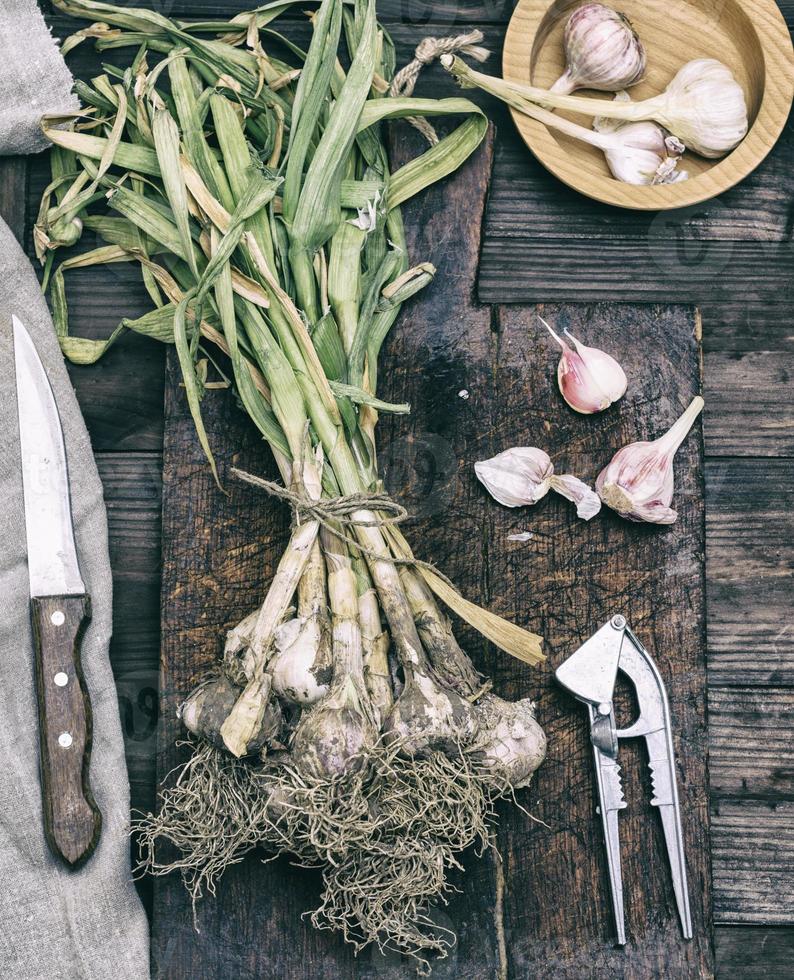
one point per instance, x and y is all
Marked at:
(344, 726)
(703, 108)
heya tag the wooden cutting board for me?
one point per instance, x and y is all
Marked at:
(479, 379)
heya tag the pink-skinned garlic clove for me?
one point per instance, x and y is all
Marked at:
(589, 379)
(638, 482)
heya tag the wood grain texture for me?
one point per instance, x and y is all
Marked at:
(754, 883)
(750, 404)
(750, 560)
(414, 13)
(755, 953)
(132, 484)
(13, 190)
(751, 747)
(747, 326)
(654, 270)
(756, 48)
(72, 821)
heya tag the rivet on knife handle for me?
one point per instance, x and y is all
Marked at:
(72, 821)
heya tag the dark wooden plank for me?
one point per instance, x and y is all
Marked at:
(741, 325)
(750, 561)
(754, 952)
(754, 882)
(750, 403)
(13, 191)
(132, 486)
(652, 270)
(755, 210)
(750, 743)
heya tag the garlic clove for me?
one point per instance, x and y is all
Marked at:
(589, 379)
(602, 51)
(517, 477)
(638, 482)
(572, 488)
(521, 476)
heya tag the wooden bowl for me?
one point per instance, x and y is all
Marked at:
(751, 38)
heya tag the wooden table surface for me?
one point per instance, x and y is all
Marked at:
(732, 259)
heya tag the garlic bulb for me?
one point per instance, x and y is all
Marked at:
(429, 716)
(638, 482)
(334, 735)
(704, 105)
(601, 51)
(523, 475)
(589, 379)
(510, 739)
(210, 704)
(518, 477)
(301, 665)
(643, 153)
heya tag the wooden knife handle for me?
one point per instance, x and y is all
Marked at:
(72, 821)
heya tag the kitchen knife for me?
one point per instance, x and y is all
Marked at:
(60, 610)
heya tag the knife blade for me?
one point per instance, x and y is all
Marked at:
(60, 609)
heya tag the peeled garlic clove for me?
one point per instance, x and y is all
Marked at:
(589, 379)
(301, 666)
(517, 477)
(638, 482)
(601, 51)
(573, 489)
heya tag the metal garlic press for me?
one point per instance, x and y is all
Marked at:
(590, 674)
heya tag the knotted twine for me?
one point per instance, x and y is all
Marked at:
(336, 513)
(426, 52)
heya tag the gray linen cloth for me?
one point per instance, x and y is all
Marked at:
(55, 923)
